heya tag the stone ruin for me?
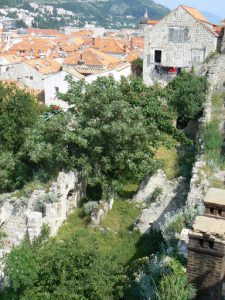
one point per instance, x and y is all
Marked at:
(20, 217)
(206, 248)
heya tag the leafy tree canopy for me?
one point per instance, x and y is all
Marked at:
(117, 127)
(187, 95)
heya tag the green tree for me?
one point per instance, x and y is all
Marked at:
(21, 266)
(18, 111)
(187, 95)
(118, 126)
(74, 269)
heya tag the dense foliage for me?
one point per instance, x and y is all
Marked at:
(110, 132)
(187, 94)
(18, 111)
(118, 126)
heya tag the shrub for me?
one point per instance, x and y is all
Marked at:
(90, 207)
(45, 199)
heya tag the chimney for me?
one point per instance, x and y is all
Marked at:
(131, 44)
(93, 41)
(80, 61)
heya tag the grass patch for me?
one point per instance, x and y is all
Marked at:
(117, 239)
(213, 141)
(177, 161)
(217, 104)
(170, 160)
(217, 183)
(128, 190)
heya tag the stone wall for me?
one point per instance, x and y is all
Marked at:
(172, 197)
(26, 216)
(176, 54)
(215, 70)
(100, 212)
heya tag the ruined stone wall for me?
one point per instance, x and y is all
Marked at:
(216, 77)
(20, 216)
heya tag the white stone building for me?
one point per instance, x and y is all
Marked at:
(182, 39)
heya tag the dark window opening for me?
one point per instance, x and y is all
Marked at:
(158, 56)
(211, 210)
(201, 243)
(220, 212)
(56, 89)
(211, 244)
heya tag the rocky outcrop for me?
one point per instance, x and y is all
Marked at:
(26, 216)
(172, 196)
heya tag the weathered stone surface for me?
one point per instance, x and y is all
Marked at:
(173, 197)
(21, 216)
(97, 216)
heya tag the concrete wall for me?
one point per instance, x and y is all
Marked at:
(176, 54)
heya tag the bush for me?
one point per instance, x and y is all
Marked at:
(187, 95)
(90, 207)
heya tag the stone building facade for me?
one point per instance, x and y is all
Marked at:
(206, 248)
(182, 39)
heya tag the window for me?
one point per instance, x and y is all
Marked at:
(198, 56)
(201, 243)
(178, 34)
(158, 56)
(31, 77)
(211, 244)
(56, 89)
(211, 210)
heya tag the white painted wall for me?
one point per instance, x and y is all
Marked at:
(117, 73)
(51, 82)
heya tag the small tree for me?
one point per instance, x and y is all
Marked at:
(187, 95)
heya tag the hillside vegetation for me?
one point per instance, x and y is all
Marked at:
(102, 13)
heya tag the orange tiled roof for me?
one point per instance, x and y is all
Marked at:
(42, 32)
(198, 16)
(110, 45)
(91, 57)
(82, 33)
(218, 29)
(132, 57)
(45, 66)
(13, 59)
(153, 22)
(195, 13)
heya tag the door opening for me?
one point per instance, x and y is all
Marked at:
(158, 56)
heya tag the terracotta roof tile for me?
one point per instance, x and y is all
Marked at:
(91, 57)
(44, 66)
(110, 46)
(195, 13)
